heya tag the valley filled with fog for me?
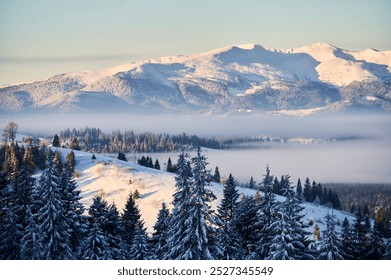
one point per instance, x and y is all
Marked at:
(328, 149)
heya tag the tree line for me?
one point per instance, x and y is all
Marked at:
(44, 219)
(95, 140)
(373, 199)
(128, 141)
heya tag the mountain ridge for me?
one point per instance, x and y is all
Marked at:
(238, 78)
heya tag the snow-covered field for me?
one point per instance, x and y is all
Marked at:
(115, 179)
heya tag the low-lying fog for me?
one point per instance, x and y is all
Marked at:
(366, 158)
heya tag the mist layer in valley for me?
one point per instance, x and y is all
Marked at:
(339, 148)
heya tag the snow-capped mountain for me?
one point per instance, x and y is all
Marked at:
(243, 78)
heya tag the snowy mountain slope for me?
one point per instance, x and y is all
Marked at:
(115, 179)
(236, 78)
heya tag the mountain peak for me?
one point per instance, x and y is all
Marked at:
(237, 78)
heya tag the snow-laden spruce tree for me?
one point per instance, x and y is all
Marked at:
(11, 234)
(329, 247)
(246, 224)
(200, 241)
(113, 230)
(289, 241)
(375, 248)
(140, 249)
(193, 225)
(359, 237)
(130, 218)
(267, 215)
(161, 233)
(50, 216)
(11, 213)
(25, 188)
(181, 204)
(347, 241)
(228, 237)
(31, 244)
(73, 211)
(108, 222)
(96, 246)
(17, 198)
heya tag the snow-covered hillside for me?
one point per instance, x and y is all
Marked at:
(115, 179)
(244, 78)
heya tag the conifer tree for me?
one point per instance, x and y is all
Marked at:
(201, 222)
(194, 236)
(161, 233)
(347, 241)
(75, 144)
(307, 193)
(50, 215)
(169, 167)
(157, 164)
(23, 189)
(121, 156)
(96, 246)
(70, 161)
(216, 175)
(108, 222)
(4, 188)
(130, 218)
(180, 212)
(98, 211)
(227, 234)
(16, 197)
(251, 184)
(246, 224)
(382, 223)
(11, 235)
(31, 243)
(139, 249)
(113, 230)
(267, 214)
(277, 186)
(57, 162)
(56, 141)
(375, 248)
(290, 241)
(314, 191)
(359, 237)
(6, 166)
(330, 245)
(367, 222)
(299, 190)
(28, 160)
(42, 156)
(73, 211)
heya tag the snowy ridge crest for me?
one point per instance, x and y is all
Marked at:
(239, 78)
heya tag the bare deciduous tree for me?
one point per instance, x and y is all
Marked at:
(10, 130)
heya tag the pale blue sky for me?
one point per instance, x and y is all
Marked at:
(40, 38)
